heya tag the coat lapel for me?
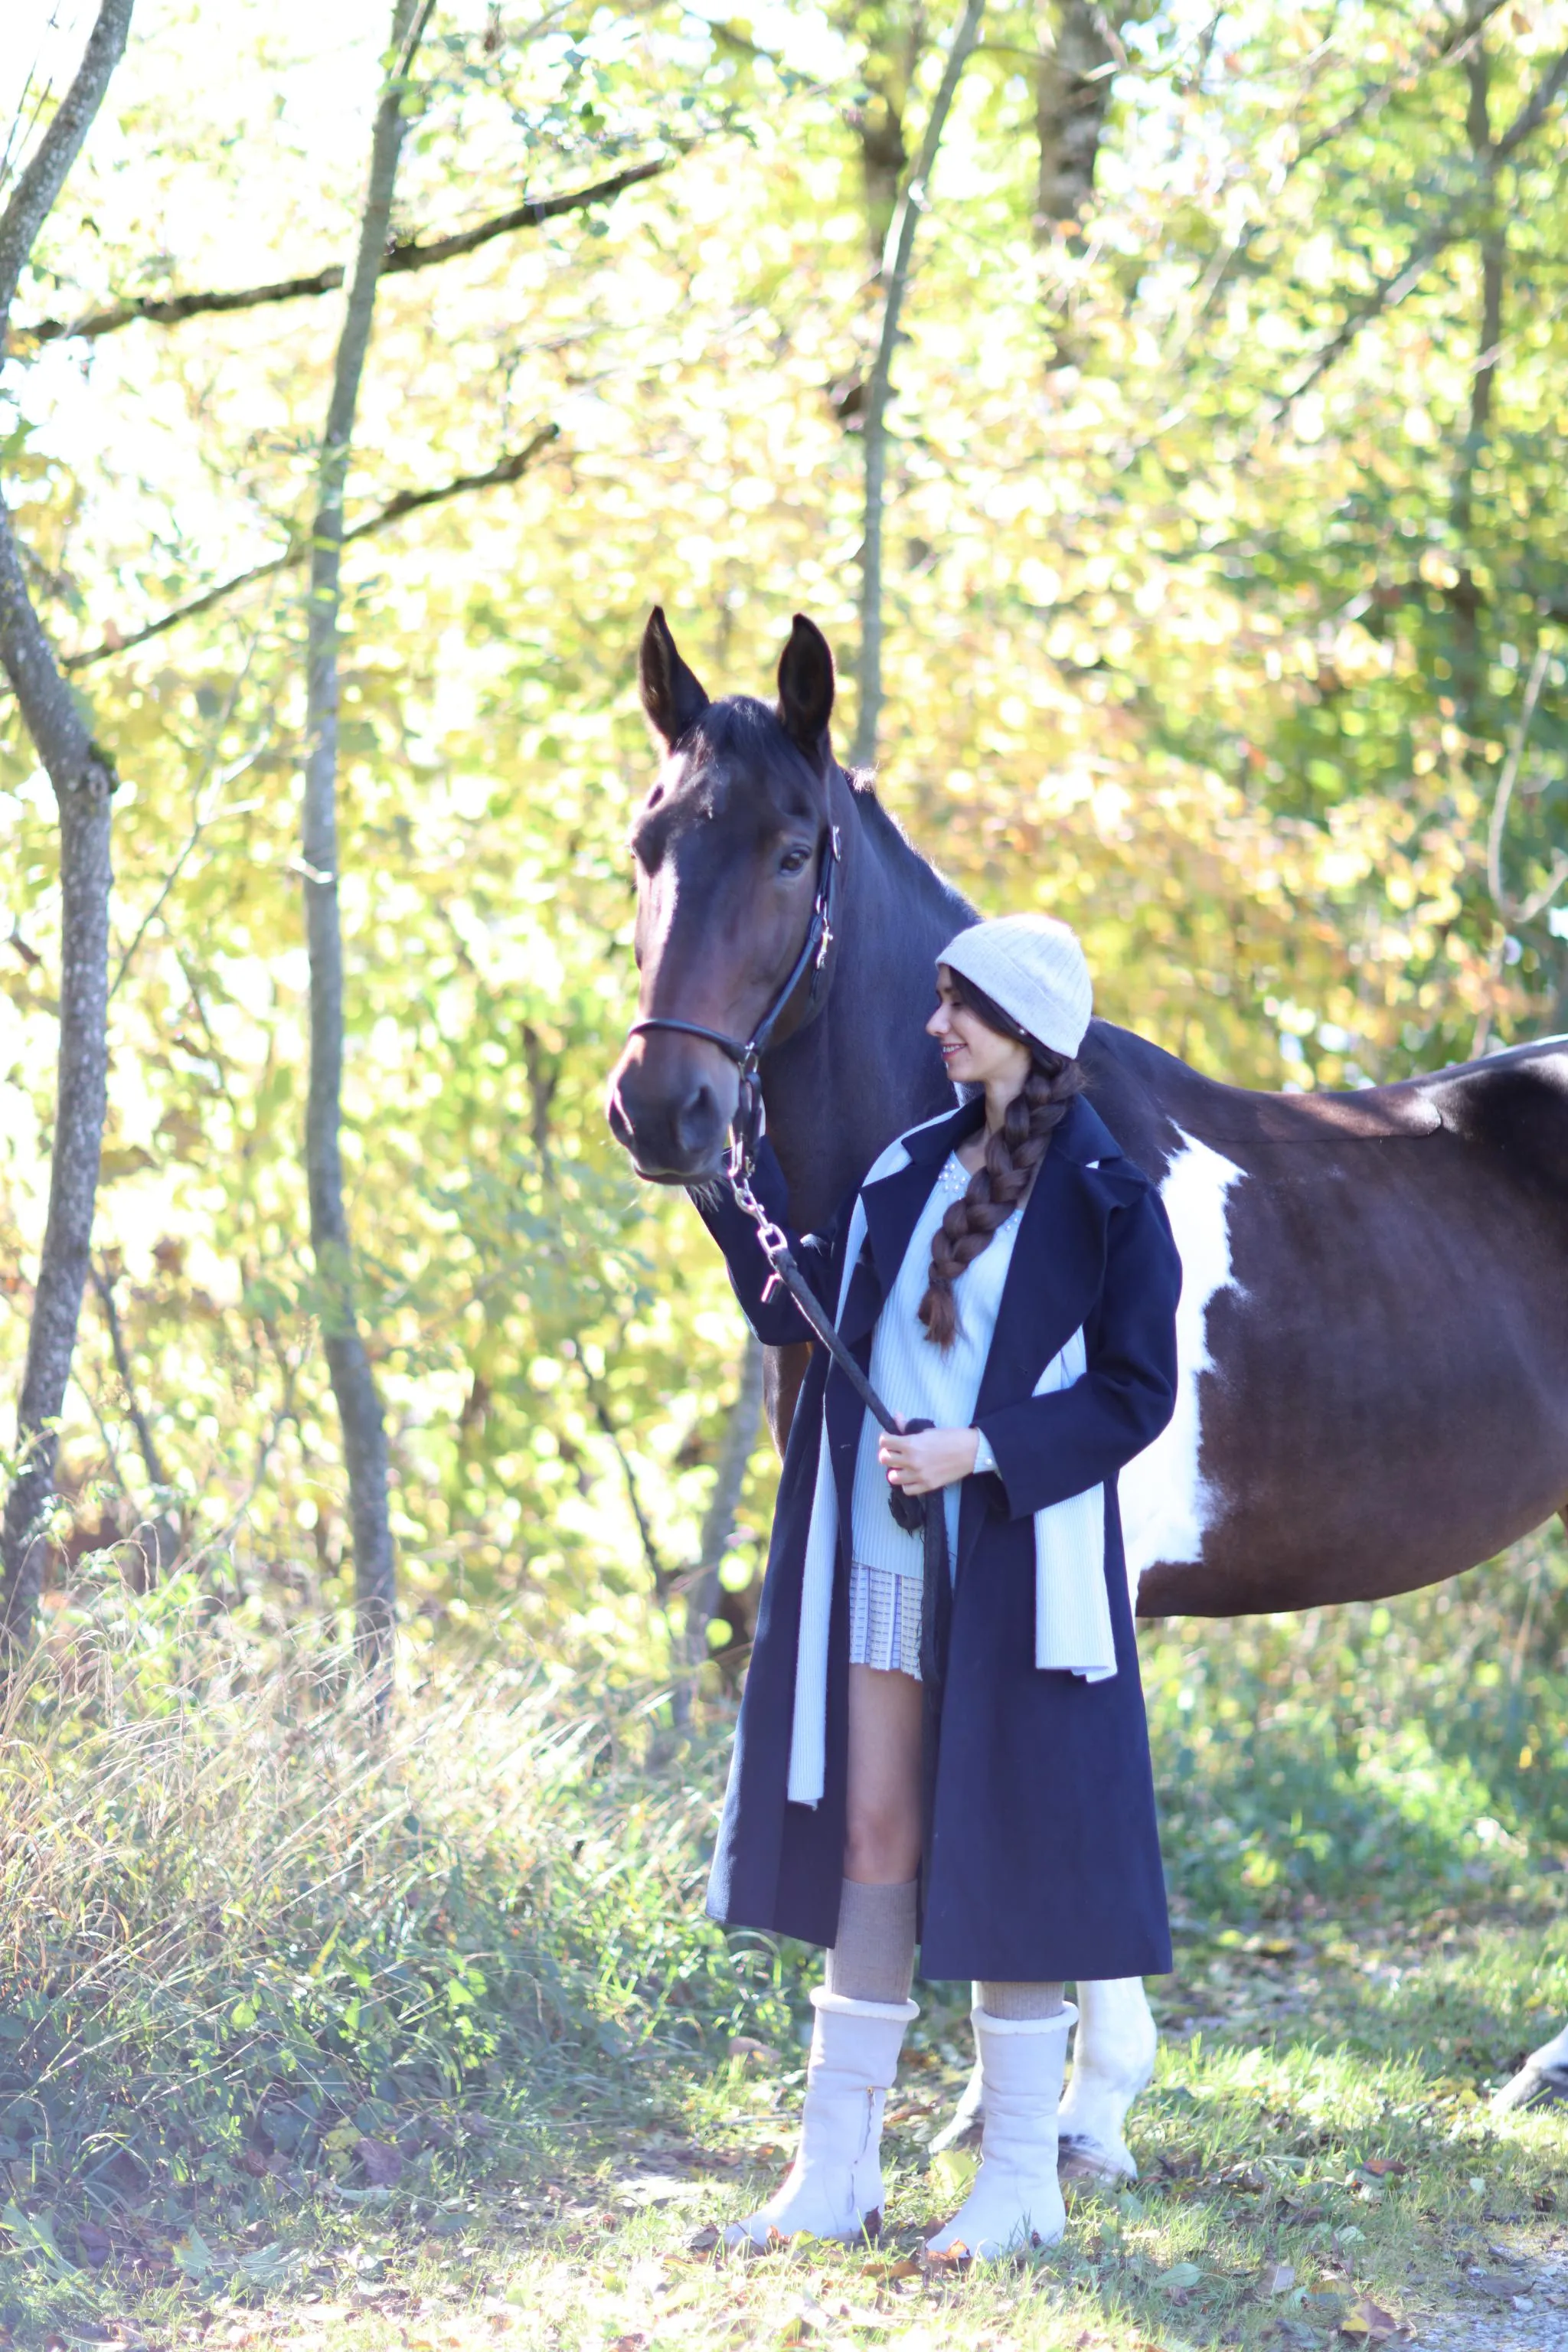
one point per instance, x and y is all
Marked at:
(892, 1207)
(1052, 1282)
(1057, 1260)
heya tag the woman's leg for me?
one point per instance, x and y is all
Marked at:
(882, 1835)
(1016, 2200)
(834, 2189)
(999, 1999)
(874, 1957)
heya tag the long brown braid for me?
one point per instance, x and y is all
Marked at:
(1013, 1152)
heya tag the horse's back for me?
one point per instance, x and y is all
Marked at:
(1373, 1330)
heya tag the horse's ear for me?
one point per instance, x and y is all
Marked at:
(806, 687)
(671, 694)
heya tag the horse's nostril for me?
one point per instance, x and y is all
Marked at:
(694, 1121)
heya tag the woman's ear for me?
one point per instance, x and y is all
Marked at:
(671, 694)
(806, 689)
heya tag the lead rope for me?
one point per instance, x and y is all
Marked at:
(922, 1515)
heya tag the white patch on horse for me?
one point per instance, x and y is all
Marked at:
(1166, 1502)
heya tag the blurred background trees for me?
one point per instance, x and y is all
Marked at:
(1224, 606)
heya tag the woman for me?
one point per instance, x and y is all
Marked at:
(1007, 1275)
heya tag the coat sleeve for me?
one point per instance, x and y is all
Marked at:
(777, 1321)
(1049, 1447)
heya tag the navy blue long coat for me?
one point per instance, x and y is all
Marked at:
(1045, 1857)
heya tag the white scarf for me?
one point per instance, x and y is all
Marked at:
(1072, 1613)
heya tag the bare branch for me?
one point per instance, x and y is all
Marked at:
(168, 310)
(1533, 112)
(656, 1566)
(83, 778)
(1453, 227)
(701, 1581)
(897, 257)
(104, 1286)
(406, 502)
(1454, 46)
(33, 197)
(1457, 223)
(343, 1338)
(1512, 910)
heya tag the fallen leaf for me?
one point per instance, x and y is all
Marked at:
(1368, 2323)
(1278, 2278)
(1384, 2167)
(193, 2255)
(903, 2269)
(954, 2170)
(381, 2163)
(1500, 2283)
(1179, 2279)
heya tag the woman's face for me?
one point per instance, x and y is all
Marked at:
(974, 1055)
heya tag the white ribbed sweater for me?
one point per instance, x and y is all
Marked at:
(924, 1382)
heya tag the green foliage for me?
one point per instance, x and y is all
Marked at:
(1219, 568)
(1405, 1744)
(246, 1937)
(1225, 544)
(235, 1917)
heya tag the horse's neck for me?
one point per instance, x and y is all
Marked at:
(838, 1092)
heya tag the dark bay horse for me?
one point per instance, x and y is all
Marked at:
(1373, 1327)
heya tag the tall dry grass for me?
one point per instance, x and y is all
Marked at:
(238, 1917)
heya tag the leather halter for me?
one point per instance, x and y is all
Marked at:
(746, 1052)
(922, 1514)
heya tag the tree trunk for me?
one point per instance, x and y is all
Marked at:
(718, 1524)
(883, 156)
(1465, 596)
(165, 1527)
(83, 779)
(354, 1384)
(1072, 92)
(878, 392)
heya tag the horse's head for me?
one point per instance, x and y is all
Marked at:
(728, 845)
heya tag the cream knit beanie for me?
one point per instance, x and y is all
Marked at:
(1032, 967)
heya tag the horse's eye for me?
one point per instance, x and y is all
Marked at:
(793, 860)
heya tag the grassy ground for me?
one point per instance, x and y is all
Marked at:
(319, 2036)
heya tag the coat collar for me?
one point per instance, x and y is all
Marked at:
(1082, 1136)
(1057, 1263)
(1052, 1282)
(893, 1203)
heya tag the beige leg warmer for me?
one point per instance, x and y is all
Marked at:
(874, 1958)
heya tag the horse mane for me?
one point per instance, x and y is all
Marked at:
(888, 832)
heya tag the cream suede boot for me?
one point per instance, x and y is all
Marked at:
(1015, 2201)
(833, 2187)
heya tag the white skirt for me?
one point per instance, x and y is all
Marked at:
(884, 1620)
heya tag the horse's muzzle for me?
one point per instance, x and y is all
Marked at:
(670, 1104)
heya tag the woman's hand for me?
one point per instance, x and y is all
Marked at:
(932, 1459)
